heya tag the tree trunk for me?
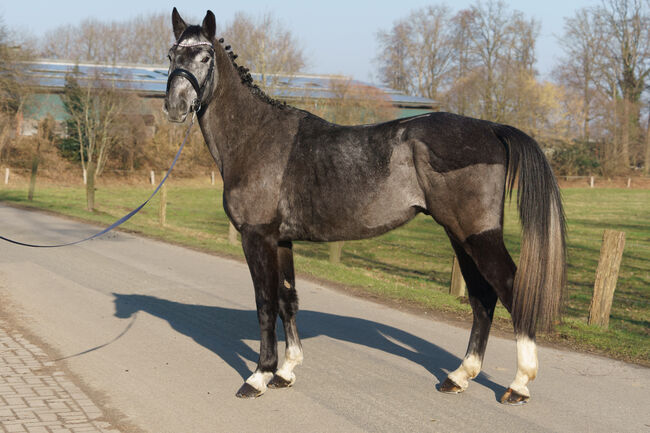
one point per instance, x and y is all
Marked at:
(646, 161)
(32, 179)
(90, 186)
(625, 139)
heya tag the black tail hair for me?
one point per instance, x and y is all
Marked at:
(541, 274)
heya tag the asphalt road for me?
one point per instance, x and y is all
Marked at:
(161, 337)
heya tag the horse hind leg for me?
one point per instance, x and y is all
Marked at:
(482, 298)
(288, 303)
(496, 266)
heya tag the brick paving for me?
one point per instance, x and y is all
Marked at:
(36, 397)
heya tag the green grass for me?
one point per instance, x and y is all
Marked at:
(412, 265)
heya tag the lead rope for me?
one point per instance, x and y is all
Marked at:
(125, 217)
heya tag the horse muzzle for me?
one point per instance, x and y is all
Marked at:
(178, 112)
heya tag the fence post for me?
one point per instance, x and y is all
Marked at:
(6, 176)
(212, 178)
(629, 182)
(232, 234)
(85, 174)
(152, 175)
(336, 248)
(609, 263)
(457, 286)
(591, 181)
(163, 205)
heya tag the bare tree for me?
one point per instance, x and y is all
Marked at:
(463, 63)
(45, 136)
(93, 110)
(265, 46)
(628, 25)
(415, 54)
(431, 48)
(15, 88)
(607, 62)
(580, 69)
(352, 103)
(393, 56)
(143, 39)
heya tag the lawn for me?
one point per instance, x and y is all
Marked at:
(411, 265)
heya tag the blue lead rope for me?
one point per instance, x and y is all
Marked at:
(125, 217)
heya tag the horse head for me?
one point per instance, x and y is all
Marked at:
(192, 72)
(127, 305)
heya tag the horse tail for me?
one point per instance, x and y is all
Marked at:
(541, 275)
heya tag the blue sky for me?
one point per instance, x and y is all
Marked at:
(338, 36)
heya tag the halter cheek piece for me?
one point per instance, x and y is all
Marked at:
(199, 89)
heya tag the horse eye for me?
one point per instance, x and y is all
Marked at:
(205, 59)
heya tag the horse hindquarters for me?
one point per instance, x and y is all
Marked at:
(468, 202)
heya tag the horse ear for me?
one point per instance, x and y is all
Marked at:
(209, 26)
(178, 24)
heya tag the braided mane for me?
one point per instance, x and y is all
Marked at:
(247, 80)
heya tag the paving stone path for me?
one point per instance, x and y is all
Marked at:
(37, 397)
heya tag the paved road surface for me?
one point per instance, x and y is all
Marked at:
(160, 338)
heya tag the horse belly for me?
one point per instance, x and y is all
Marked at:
(359, 211)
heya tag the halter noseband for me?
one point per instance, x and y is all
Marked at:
(199, 89)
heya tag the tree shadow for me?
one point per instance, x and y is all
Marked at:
(223, 331)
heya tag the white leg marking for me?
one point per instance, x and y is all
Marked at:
(469, 369)
(258, 380)
(526, 365)
(292, 357)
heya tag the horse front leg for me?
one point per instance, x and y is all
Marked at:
(260, 250)
(288, 301)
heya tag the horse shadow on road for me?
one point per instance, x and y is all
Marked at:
(223, 331)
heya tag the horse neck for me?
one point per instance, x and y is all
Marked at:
(233, 115)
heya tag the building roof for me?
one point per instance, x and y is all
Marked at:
(152, 81)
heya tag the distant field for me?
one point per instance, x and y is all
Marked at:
(412, 265)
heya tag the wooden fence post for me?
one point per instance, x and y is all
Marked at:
(609, 263)
(457, 286)
(232, 234)
(212, 178)
(629, 182)
(152, 175)
(336, 248)
(591, 181)
(163, 205)
(6, 176)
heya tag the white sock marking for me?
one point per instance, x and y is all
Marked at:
(292, 357)
(469, 369)
(526, 365)
(258, 380)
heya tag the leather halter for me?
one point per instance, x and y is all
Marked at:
(198, 88)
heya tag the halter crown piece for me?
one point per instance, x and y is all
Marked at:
(194, 44)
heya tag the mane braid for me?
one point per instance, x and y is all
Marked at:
(247, 80)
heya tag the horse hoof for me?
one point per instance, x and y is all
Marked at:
(248, 391)
(450, 387)
(280, 382)
(513, 398)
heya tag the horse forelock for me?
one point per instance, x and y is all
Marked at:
(192, 34)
